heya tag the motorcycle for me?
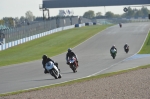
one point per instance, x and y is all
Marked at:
(120, 25)
(53, 70)
(126, 49)
(72, 63)
(113, 53)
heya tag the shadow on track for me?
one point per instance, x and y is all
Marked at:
(44, 79)
(67, 73)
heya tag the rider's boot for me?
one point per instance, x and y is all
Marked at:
(45, 71)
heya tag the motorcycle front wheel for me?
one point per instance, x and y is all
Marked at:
(73, 67)
(54, 73)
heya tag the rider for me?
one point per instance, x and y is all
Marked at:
(71, 54)
(113, 47)
(120, 24)
(126, 45)
(47, 59)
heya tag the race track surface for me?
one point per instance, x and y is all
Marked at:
(94, 58)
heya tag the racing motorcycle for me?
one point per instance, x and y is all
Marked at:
(126, 49)
(113, 53)
(53, 70)
(72, 63)
(120, 25)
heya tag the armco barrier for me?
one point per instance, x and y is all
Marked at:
(26, 39)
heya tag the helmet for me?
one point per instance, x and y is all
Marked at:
(44, 56)
(69, 50)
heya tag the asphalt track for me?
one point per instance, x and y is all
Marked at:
(94, 58)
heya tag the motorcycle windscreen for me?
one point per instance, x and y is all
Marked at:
(71, 60)
(113, 50)
(49, 65)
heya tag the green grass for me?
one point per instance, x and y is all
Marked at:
(146, 47)
(77, 81)
(51, 45)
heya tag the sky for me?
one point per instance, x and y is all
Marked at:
(18, 8)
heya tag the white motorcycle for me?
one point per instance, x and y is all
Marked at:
(53, 70)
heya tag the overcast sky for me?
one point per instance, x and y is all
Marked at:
(18, 8)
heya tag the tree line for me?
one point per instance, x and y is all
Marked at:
(131, 13)
(29, 17)
(16, 22)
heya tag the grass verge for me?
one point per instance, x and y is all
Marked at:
(77, 81)
(146, 46)
(51, 45)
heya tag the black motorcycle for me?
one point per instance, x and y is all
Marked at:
(126, 49)
(120, 25)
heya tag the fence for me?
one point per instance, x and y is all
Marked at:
(29, 38)
(40, 27)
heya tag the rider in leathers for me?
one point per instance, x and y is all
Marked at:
(120, 25)
(47, 59)
(113, 47)
(71, 54)
(126, 46)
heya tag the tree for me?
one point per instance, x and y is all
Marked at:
(109, 14)
(130, 12)
(16, 19)
(9, 21)
(2, 22)
(145, 11)
(89, 14)
(98, 14)
(29, 16)
(139, 13)
(117, 16)
(22, 20)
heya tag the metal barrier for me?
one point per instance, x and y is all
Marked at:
(35, 36)
(40, 27)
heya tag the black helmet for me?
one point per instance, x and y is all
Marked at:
(69, 50)
(113, 46)
(44, 56)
